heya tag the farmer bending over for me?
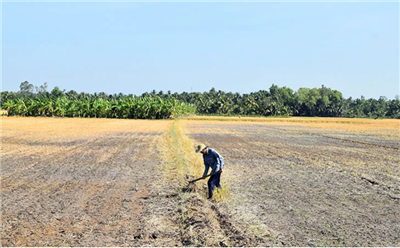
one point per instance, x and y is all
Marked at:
(216, 162)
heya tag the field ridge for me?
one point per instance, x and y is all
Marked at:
(201, 222)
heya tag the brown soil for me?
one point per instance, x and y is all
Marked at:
(76, 182)
(309, 186)
(99, 182)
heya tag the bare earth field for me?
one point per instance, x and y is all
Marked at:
(76, 182)
(287, 182)
(311, 183)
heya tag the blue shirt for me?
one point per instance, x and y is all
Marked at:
(214, 160)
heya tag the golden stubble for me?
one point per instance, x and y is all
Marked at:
(385, 127)
(19, 133)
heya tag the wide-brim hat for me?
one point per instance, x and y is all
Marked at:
(200, 148)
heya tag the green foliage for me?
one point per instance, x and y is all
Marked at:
(26, 89)
(131, 107)
(278, 101)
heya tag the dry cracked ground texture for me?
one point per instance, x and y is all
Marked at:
(99, 183)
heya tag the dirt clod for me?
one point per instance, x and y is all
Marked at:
(190, 188)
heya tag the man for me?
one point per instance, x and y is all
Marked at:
(211, 159)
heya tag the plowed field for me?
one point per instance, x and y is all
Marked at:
(288, 182)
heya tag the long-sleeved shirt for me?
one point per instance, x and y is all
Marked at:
(214, 160)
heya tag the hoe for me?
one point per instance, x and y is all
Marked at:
(195, 180)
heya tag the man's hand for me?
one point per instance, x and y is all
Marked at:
(220, 171)
(204, 177)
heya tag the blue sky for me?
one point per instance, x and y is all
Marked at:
(135, 47)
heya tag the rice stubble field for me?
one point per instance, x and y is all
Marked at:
(311, 182)
(287, 182)
(76, 182)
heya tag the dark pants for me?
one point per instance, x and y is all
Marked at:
(213, 182)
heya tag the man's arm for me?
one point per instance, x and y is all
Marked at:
(206, 170)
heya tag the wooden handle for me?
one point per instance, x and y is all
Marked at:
(195, 180)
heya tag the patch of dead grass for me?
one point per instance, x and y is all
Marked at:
(201, 221)
(44, 126)
(21, 132)
(386, 127)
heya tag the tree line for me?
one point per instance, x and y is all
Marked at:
(277, 101)
(283, 101)
(57, 103)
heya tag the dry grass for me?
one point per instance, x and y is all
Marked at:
(222, 195)
(184, 164)
(387, 127)
(21, 132)
(180, 158)
(201, 221)
(193, 162)
(48, 127)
